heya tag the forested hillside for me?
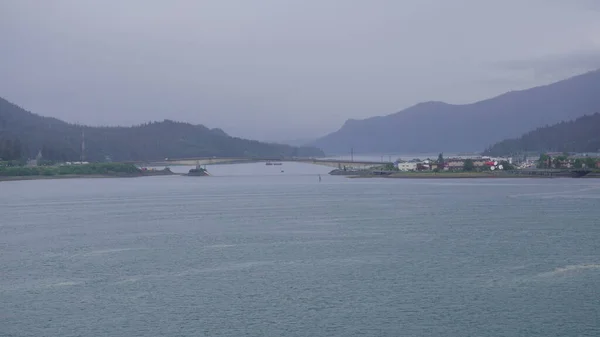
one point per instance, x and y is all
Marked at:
(440, 127)
(580, 135)
(24, 134)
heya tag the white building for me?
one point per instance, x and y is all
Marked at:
(499, 159)
(407, 166)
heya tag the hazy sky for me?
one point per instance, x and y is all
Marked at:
(277, 69)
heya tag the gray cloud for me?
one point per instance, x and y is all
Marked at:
(557, 66)
(588, 4)
(274, 69)
(521, 74)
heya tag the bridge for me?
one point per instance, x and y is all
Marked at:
(202, 161)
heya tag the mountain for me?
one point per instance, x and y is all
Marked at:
(437, 126)
(59, 140)
(580, 135)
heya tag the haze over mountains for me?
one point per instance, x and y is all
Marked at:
(425, 127)
(442, 127)
(59, 140)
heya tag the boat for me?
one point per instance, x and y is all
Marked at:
(279, 164)
(269, 163)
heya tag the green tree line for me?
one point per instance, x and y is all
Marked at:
(111, 169)
(10, 149)
(562, 161)
(61, 141)
(580, 135)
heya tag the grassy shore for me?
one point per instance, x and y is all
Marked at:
(66, 176)
(102, 170)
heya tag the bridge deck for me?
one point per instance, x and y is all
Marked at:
(223, 160)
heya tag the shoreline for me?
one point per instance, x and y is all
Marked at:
(65, 176)
(466, 176)
(359, 176)
(446, 176)
(80, 176)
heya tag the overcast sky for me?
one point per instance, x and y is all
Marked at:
(277, 69)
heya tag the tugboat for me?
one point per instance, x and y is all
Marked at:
(199, 171)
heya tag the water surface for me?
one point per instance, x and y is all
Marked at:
(254, 251)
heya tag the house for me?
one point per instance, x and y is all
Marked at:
(459, 163)
(407, 166)
(480, 162)
(455, 164)
(497, 159)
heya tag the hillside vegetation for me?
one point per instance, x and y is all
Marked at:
(580, 135)
(105, 169)
(24, 134)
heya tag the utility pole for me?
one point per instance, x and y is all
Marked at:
(352, 154)
(82, 145)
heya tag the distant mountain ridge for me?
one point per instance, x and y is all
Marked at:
(581, 135)
(437, 126)
(59, 140)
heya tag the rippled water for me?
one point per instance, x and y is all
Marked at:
(253, 252)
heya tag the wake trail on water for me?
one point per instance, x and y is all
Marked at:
(558, 273)
(569, 269)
